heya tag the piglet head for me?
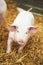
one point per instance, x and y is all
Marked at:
(22, 34)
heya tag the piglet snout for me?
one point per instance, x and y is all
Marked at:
(21, 42)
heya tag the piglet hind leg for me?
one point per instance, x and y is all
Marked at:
(9, 44)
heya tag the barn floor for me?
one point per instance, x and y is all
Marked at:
(33, 52)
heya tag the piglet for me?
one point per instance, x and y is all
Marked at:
(3, 8)
(21, 29)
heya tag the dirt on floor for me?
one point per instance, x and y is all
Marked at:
(32, 53)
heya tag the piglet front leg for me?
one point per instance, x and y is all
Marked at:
(9, 43)
(21, 48)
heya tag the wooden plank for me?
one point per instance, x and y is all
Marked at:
(33, 7)
(36, 5)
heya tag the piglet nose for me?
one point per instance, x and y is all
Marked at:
(21, 42)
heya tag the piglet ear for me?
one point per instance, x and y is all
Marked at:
(11, 28)
(33, 30)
